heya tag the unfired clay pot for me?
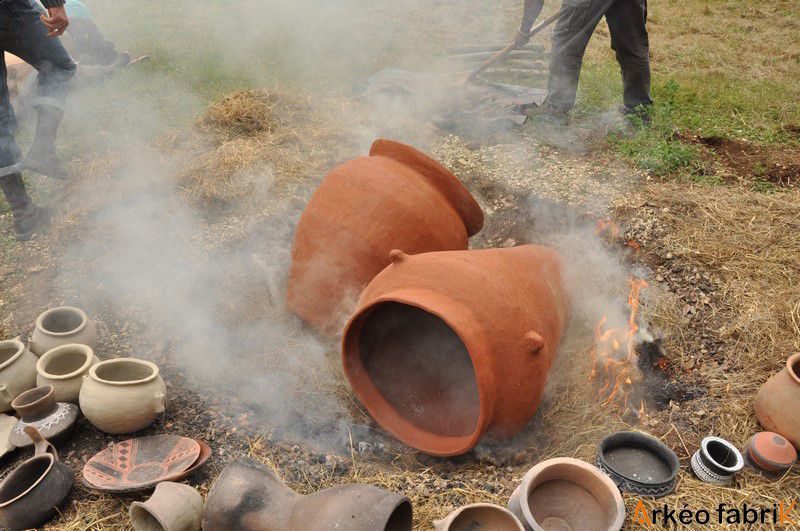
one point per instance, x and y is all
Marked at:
(37, 408)
(30, 494)
(778, 402)
(17, 371)
(567, 494)
(122, 395)
(64, 367)
(60, 326)
(447, 346)
(248, 497)
(479, 516)
(396, 198)
(172, 507)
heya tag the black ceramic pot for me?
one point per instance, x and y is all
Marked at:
(717, 461)
(638, 463)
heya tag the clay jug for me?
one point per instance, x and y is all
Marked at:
(447, 346)
(17, 371)
(246, 496)
(122, 395)
(63, 368)
(397, 197)
(566, 493)
(60, 326)
(778, 402)
(172, 507)
(31, 492)
(479, 516)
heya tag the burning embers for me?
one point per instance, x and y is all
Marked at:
(615, 362)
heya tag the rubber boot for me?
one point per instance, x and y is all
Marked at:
(42, 157)
(28, 217)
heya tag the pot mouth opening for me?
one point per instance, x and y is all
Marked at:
(65, 361)
(25, 478)
(486, 516)
(629, 442)
(124, 371)
(144, 519)
(416, 377)
(32, 397)
(401, 518)
(10, 350)
(793, 364)
(62, 321)
(723, 454)
(590, 496)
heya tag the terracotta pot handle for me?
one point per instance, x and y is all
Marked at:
(40, 444)
(159, 402)
(5, 394)
(534, 341)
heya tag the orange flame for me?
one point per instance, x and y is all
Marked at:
(614, 359)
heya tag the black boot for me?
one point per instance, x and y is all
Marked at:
(28, 217)
(42, 157)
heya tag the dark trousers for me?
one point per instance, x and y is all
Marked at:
(23, 34)
(91, 46)
(626, 22)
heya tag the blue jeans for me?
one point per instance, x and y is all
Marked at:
(23, 34)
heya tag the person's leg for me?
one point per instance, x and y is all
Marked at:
(92, 46)
(571, 35)
(55, 68)
(627, 21)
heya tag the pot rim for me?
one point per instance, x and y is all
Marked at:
(794, 359)
(440, 177)
(137, 505)
(135, 361)
(393, 422)
(527, 483)
(84, 349)
(49, 394)
(46, 313)
(729, 445)
(494, 506)
(48, 456)
(665, 451)
(20, 350)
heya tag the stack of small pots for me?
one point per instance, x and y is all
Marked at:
(444, 344)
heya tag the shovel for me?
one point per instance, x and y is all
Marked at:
(471, 75)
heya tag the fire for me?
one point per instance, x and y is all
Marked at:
(614, 359)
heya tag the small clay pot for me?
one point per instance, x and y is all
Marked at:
(639, 463)
(247, 496)
(31, 492)
(63, 368)
(770, 452)
(445, 347)
(61, 326)
(172, 507)
(122, 395)
(396, 198)
(17, 371)
(566, 493)
(717, 461)
(778, 402)
(478, 516)
(38, 409)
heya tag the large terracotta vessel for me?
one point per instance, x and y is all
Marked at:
(17, 371)
(396, 198)
(122, 395)
(778, 402)
(447, 346)
(246, 496)
(60, 326)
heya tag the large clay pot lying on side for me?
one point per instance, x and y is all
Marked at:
(30, 494)
(447, 346)
(63, 368)
(566, 493)
(60, 326)
(479, 516)
(778, 402)
(17, 372)
(172, 507)
(396, 198)
(122, 395)
(248, 497)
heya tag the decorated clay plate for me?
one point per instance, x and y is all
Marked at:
(138, 464)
